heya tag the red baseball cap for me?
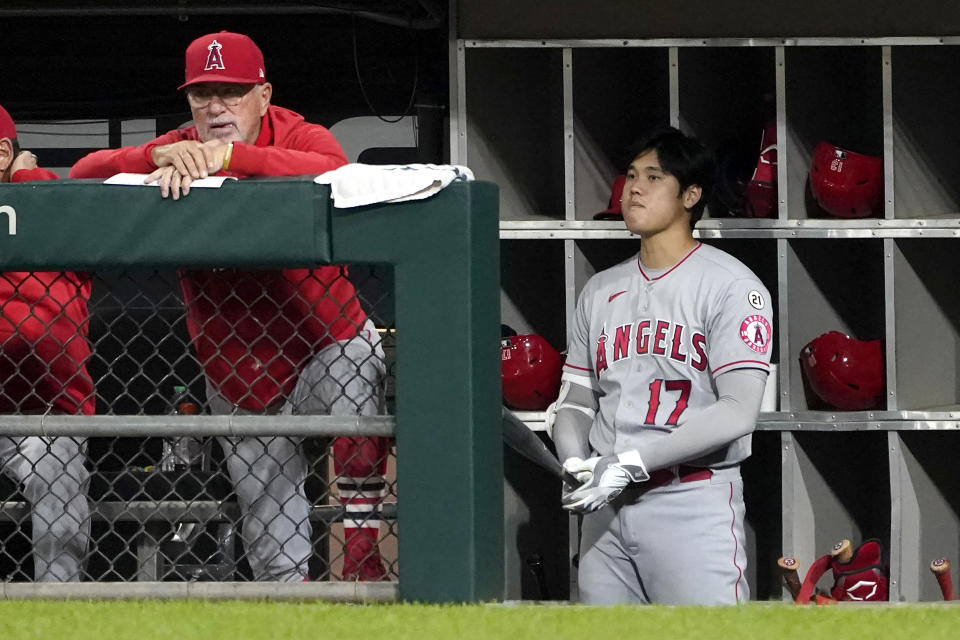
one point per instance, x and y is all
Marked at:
(224, 57)
(7, 129)
(613, 210)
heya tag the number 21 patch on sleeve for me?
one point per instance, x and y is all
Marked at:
(755, 332)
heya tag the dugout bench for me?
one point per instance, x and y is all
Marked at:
(445, 254)
(160, 516)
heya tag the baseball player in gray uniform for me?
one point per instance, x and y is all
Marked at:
(668, 354)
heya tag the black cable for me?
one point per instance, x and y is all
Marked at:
(356, 68)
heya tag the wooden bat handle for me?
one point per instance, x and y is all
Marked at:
(788, 568)
(842, 551)
(941, 570)
(571, 480)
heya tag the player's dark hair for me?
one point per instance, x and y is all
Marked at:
(682, 157)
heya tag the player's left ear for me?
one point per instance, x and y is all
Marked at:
(7, 156)
(264, 93)
(691, 196)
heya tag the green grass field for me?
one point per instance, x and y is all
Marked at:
(180, 620)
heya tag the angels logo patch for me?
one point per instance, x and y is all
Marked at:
(214, 59)
(755, 332)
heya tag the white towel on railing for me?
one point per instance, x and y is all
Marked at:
(355, 185)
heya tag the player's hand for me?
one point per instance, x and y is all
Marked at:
(190, 158)
(172, 184)
(603, 478)
(24, 160)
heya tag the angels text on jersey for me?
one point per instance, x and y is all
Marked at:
(651, 337)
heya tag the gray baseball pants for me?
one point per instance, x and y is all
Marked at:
(268, 474)
(682, 543)
(52, 477)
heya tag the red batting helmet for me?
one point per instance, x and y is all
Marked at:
(761, 191)
(529, 372)
(845, 372)
(846, 184)
(613, 210)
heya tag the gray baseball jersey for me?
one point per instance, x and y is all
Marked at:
(651, 342)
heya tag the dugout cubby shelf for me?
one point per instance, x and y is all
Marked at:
(530, 294)
(834, 486)
(926, 323)
(514, 141)
(724, 96)
(889, 277)
(606, 105)
(722, 92)
(820, 298)
(833, 94)
(925, 163)
(926, 509)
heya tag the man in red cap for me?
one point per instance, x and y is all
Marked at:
(43, 355)
(294, 341)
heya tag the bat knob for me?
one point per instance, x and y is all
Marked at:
(842, 551)
(788, 562)
(940, 565)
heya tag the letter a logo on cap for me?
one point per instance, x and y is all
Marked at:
(214, 60)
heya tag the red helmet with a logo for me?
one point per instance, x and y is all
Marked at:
(845, 372)
(529, 371)
(846, 184)
(761, 191)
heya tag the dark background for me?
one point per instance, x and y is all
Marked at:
(70, 60)
(501, 19)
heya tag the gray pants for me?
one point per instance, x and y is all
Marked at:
(678, 544)
(52, 477)
(345, 378)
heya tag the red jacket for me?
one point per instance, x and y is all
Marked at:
(255, 330)
(43, 330)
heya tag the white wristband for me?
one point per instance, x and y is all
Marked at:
(631, 462)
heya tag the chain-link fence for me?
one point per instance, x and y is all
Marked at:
(220, 342)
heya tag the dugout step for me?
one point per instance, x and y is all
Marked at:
(177, 551)
(155, 485)
(195, 552)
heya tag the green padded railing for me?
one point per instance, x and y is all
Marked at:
(445, 255)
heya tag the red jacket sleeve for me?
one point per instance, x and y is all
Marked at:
(307, 148)
(33, 175)
(108, 162)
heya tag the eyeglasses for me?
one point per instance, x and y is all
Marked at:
(229, 94)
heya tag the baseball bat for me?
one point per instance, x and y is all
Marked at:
(941, 571)
(788, 569)
(842, 551)
(522, 440)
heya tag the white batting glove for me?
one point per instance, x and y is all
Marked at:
(603, 478)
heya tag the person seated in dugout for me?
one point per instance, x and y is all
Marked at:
(291, 341)
(43, 357)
